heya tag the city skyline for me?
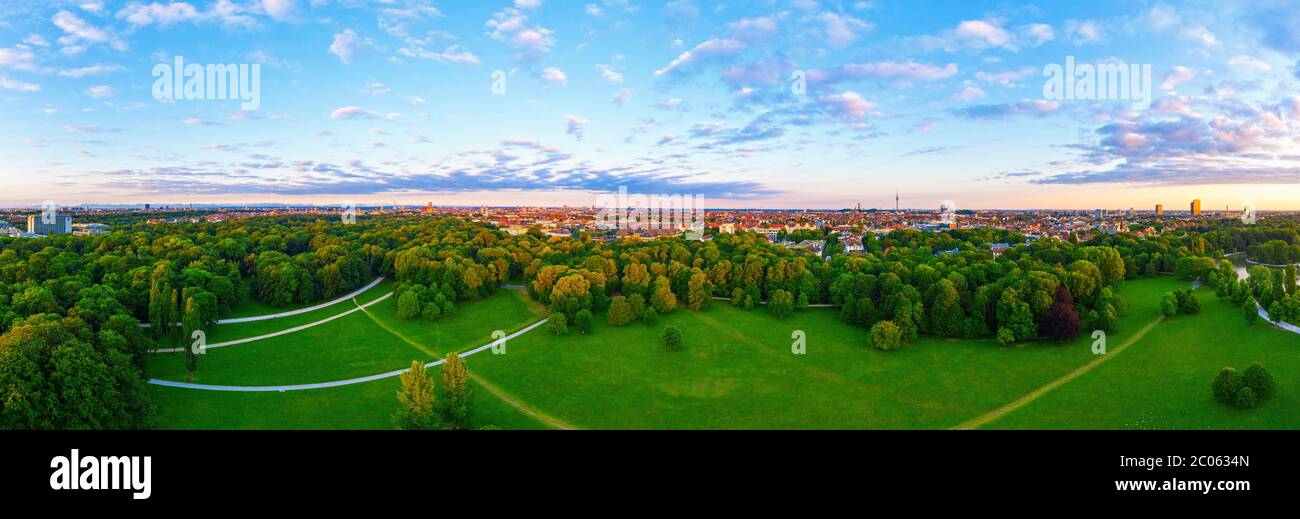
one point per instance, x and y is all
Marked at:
(780, 105)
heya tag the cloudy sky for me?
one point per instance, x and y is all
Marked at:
(800, 103)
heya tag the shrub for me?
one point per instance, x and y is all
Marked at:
(559, 324)
(1006, 336)
(1258, 380)
(1250, 311)
(583, 321)
(651, 317)
(672, 338)
(1169, 304)
(1226, 385)
(781, 304)
(885, 335)
(620, 312)
(1245, 399)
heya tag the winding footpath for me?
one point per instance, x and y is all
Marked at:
(990, 416)
(299, 311)
(285, 331)
(336, 383)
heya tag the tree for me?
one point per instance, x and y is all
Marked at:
(455, 395)
(416, 397)
(781, 304)
(583, 321)
(946, 316)
(1226, 384)
(620, 312)
(190, 323)
(1250, 311)
(408, 305)
(651, 317)
(885, 335)
(671, 338)
(558, 323)
(1245, 398)
(1259, 380)
(1062, 321)
(1168, 304)
(698, 290)
(663, 300)
(1006, 336)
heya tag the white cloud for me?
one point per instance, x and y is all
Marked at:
(355, 112)
(511, 26)
(159, 14)
(1084, 32)
(622, 96)
(280, 9)
(1038, 33)
(848, 104)
(609, 74)
(710, 49)
(100, 91)
(90, 70)
(968, 93)
(348, 45)
(36, 39)
(17, 57)
(528, 4)
(575, 126)
(1177, 76)
(841, 30)
(982, 34)
(78, 34)
(1246, 61)
(555, 75)
(13, 84)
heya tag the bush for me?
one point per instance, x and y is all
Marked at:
(885, 335)
(1245, 399)
(1169, 304)
(583, 321)
(1258, 380)
(1226, 385)
(651, 317)
(781, 304)
(559, 324)
(1006, 336)
(672, 338)
(1250, 311)
(620, 312)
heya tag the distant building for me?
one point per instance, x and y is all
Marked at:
(89, 229)
(727, 228)
(1160, 210)
(1196, 207)
(998, 248)
(61, 224)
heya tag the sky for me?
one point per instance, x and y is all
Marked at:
(792, 104)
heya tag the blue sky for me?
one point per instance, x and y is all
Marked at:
(377, 102)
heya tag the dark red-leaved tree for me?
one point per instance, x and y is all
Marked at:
(1062, 321)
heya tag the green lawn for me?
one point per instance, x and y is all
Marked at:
(362, 406)
(737, 371)
(229, 332)
(348, 347)
(1163, 381)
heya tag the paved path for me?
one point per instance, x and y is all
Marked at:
(285, 331)
(335, 383)
(355, 293)
(1080, 371)
(1280, 324)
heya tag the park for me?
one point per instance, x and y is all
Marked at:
(736, 371)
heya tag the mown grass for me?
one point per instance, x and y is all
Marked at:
(1163, 381)
(348, 347)
(737, 371)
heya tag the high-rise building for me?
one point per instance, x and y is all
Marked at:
(59, 224)
(1160, 210)
(1196, 207)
